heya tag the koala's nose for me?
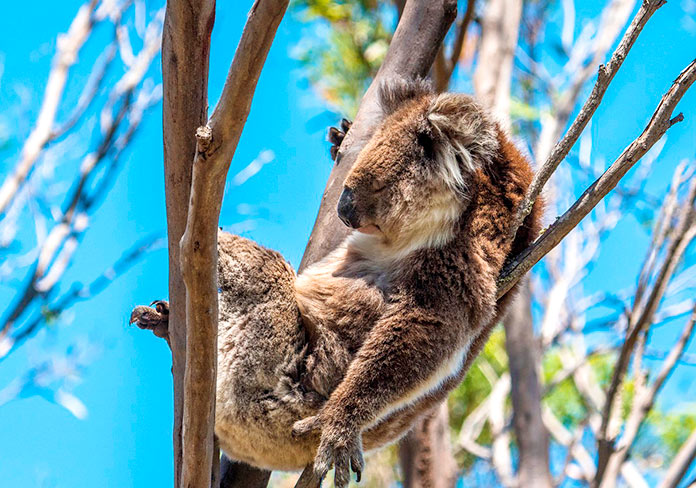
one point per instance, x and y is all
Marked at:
(346, 209)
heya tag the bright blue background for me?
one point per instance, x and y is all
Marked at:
(126, 438)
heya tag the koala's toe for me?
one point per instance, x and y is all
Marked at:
(341, 470)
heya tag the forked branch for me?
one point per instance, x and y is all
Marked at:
(659, 123)
(216, 144)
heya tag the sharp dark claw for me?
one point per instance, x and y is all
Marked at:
(335, 136)
(346, 124)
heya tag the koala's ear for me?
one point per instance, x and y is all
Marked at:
(425, 139)
(395, 92)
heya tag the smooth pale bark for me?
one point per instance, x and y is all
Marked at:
(216, 145)
(185, 50)
(524, 360)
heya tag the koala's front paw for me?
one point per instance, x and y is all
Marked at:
(336, 136)
(343, 452)
(154, 319)
(340, 448)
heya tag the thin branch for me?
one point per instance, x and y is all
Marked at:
(444, 65)
(660, 122)
(642, 404)
(68, 47)
(79, 292)
(680, 465)
(613, 19)
(644, 313)
(604, 78)
(216, 144)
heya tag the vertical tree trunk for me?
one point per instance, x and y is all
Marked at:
(524, 359)
(425, 454)
(185, 49)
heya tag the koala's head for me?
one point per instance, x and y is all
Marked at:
(414, 178)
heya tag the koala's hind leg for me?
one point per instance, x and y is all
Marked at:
(260, 324)
(155, 319)
(261, 357)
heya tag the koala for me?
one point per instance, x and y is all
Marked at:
(346, 356)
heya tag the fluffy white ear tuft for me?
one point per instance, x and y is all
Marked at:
(465, 133)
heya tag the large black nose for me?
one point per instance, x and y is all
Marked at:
(346, 209)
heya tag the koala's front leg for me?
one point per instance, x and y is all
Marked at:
(403, 351)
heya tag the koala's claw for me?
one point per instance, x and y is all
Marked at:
(154, 319)
(337, 135)
(344, 455)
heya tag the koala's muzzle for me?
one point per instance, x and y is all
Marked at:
(346, 209)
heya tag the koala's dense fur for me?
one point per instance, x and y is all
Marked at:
(363, 342)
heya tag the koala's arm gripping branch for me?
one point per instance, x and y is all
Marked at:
(402, 354)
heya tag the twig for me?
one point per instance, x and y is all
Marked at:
(604, 78)
(643, 402)
(644, 312)
(680, 465)
(444, 65)
(660, 122)
(68, 47)
(80, 292)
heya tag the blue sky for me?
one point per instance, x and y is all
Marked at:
(126, 384)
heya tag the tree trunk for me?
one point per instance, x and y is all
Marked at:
(185, 49)
(524, 361)
(425, 453)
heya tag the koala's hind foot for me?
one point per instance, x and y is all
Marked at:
(155, 319)
(336, 136)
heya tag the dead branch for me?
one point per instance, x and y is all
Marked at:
(67, 48)
(660, 122)
(216, 144)
(604, 78)
(680, 466)
(56, 251)
(643, 402)
(642, 315)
